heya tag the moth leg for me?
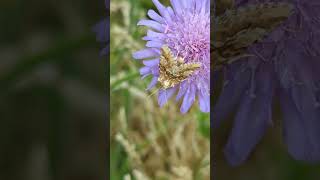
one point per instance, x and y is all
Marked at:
(240, 57)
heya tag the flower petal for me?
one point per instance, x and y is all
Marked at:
(155, 16)
(176, 6)
(153, 82)
(165, 95)
(204, 101)
(229, 99)
(162, 10)
(251, 120)
(145, 53)
(151, 24)
(300, 133)
(154, 44)
(188, 99)
(152, 62)
(144, 70)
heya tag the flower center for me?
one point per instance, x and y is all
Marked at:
(188, 36)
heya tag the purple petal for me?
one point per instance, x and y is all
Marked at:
(170, 11)
(150, 63)
(176, 6)
(301, 133)
(182, 90)
(204, 101)
(155, 70)
(188, 99)
(153, 82)
(229, 99)
(145, 53)
(251, 120)
(154, 44)
(160, 7)
(151, 24)
(155, 16)
(164, 95)
(145, 70)
(156, 35)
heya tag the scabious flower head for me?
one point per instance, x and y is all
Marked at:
(185, 29)
(286, 66)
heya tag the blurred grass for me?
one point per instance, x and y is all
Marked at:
(60, 49)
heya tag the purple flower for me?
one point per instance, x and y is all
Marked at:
(185, 29)
(286, 67)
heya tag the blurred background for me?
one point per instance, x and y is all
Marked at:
(149, 142)
(52, 91)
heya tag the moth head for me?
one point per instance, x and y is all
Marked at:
(166, 84)
(180, 60)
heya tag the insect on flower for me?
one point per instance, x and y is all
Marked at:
(173, 71)
(238, 28)
(186, 75)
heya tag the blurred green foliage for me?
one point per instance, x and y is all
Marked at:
(52, 90)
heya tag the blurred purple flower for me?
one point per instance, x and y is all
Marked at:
(102, 30)
(185, 29)
(287, 66)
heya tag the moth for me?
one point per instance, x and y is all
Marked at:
(233, 29)
(173, 70)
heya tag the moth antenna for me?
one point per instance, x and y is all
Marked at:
(166, 29)
(178, 53)
(260, 55)
(165, 95)
(289, 29)
(154, 92)
(239, 57)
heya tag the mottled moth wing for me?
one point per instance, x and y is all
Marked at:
(222, 5)
(173, 71)
(237, 29)
(219, 7)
